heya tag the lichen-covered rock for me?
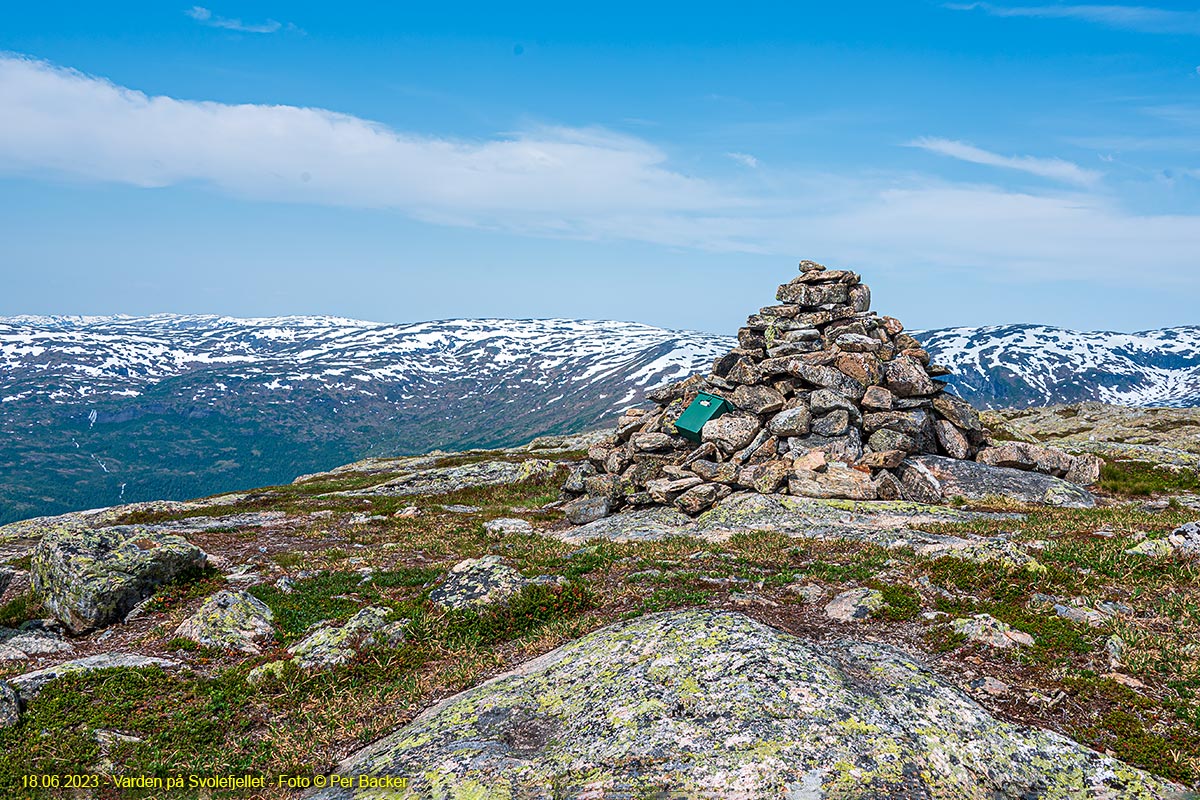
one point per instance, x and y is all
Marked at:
(10, 705)
(6, 576)
(854, 605)
(18, 645)
(230, 621)
(986, 629)
(507, 525)
(713, 704)
(336, 644)
(583, 510)
(89, 578)
(1184, 540)
(440, 480)
(731, 432)
(477, 582)
(976, 481)
(31, 683)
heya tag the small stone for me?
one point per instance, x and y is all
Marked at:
(230, 621)
(765, 478)
(1085, 469)
(574, 483)
(507, 525)
(758, 399)
(407, 511)
(878, 398)
(792, 422)
(461, 509)
(665, 490)
(811, 460)
(907, 378)
(986, 629)
(857, 343)
(651, 442)
(835, 423)
(10, 705)
(731, 432)
(951, 439)
(587, 509)
(477, 582)
(806, 592)
(854, 605)
(990, 685)
(886, 459)
(842, 482)
(884, 440)
(1125, 680)
(701, 498)
(724, 472)
(333, 644)
(1086, 616)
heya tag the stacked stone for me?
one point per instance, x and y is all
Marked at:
(831, 401)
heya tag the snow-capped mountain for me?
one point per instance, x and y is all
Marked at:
(94, 410)
(1036, 365)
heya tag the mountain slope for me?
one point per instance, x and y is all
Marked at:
(97, 410)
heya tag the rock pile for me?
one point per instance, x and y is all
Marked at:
(830, 401)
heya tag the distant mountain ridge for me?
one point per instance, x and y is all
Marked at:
(97, 410)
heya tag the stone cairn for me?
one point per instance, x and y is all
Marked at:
(829, 401)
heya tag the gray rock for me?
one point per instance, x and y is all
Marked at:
(31, 683)
(878, 398)
(441, 480)
(506, 525)
(579, 474)
(951, 439)
(10, 705)
(986, 629)
(701, 498)
(1022, 455)
(91, 578)
(835, 423)
(832, 483)
(823, 377)
(230, 621)
(651, 442)
(731, 432)
(476, 583)
(19, 645)
(758, 399)
(713, 704)
(6, 576)
(585, 510)
(884, 440)
(854, 605)
(331, 645)
(906, 377)
(791, 422)
(976, 481)
(724, 472)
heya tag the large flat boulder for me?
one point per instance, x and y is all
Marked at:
(89, 578)
(944, 478)
(707, 703)
(441, 480)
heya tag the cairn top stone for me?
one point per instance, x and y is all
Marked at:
(829, 400)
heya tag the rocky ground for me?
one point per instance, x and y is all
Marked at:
(438, 619)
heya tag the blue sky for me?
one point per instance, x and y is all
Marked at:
(979, 163)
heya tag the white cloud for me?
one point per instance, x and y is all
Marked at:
(745, 159)
(1135, 18)
(560, 181)
(205, 17)
(1053, 168)
(585, 183)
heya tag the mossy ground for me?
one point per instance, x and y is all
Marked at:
(210, 721)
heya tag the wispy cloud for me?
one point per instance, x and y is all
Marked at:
(745, 159)
(1053, 168)
(1145, 19)
(205, 17)
(584, 183)
(552, 180)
